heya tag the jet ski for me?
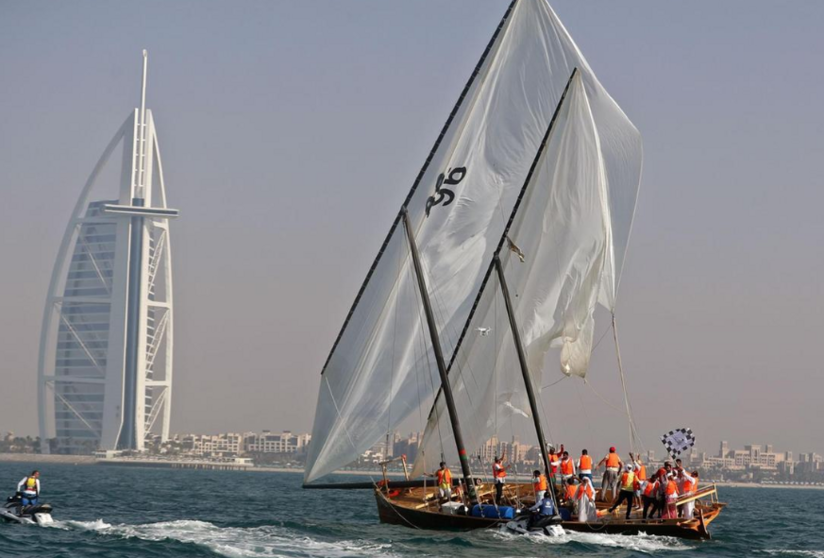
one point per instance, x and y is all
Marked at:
(14, 512)
(524, 525)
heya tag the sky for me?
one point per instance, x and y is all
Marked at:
(292, 131)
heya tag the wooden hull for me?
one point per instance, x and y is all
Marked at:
(411, 509)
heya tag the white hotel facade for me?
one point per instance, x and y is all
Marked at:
(105, 364)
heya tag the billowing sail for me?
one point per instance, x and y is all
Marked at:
(560, 258)
(381, 368)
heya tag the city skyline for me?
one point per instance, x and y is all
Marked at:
(289, 175)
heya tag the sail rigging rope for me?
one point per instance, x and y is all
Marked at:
(558, 381)
(633, 431)
(586, 416)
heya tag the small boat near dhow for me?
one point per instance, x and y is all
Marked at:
(514, 231)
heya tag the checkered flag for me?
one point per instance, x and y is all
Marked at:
(678, 440)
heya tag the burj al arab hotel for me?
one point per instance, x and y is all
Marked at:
(105, 365)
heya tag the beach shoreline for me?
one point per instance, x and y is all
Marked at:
(90, 460)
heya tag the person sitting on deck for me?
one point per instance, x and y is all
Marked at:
(670, 489)
(444, 476)
(539, 485)
(499, 474)
(629, 484)
(649, 495)
(570, 490)
(609, 483)
(567, 468)
(541, 511)
(585, 500)
(585, 464)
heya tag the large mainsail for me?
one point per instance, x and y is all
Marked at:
(381, 368)
(560, 261)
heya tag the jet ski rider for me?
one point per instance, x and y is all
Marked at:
(29, 489)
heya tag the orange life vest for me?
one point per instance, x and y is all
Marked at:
(567, 468)
(444, 478)
(672, 488)
(613, 460)
(540, 483)
(553, 459)
(570, 491)
(689, 485)
(642, 472)
(650, 488)
(584, 488)
(586, 462)
(498, 471)
(628, 481)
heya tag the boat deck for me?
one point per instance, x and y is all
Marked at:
(420, 508)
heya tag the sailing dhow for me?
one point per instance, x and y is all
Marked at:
(514, 230)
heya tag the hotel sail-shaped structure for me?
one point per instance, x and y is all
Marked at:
(105, 364)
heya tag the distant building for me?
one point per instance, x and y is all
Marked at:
(105, 363)
(268, 442)
(724, 449)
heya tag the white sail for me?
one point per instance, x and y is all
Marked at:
(563, 232)
(380, 368)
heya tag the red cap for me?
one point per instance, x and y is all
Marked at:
(612, 449)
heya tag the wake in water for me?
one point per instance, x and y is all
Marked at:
(788, 552)
(234, 542)
(269, 541)
(646, 544)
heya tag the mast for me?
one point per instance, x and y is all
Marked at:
(519, 346)
(436, 347)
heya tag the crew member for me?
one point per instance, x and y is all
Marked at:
(609, 484)
(29, 489)
(570, 489)
(539, 485)
(585, 498)
(499, 474)
(554, 461)
(585, 465)
(687, 486)
(670, 497)
(650, 496)
(629, 484)
(444, 476)
(567, 468)
(640, 468)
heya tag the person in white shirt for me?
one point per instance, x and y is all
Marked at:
(686, 486)
(29, 489)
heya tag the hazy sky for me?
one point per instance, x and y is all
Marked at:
(291, 132)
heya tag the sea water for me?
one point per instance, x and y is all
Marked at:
(110, 511)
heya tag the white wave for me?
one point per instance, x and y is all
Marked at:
(268, 542)
(67, 524)
(647, 544)
(813, 553)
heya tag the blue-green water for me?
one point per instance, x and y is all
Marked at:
(125, 513)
